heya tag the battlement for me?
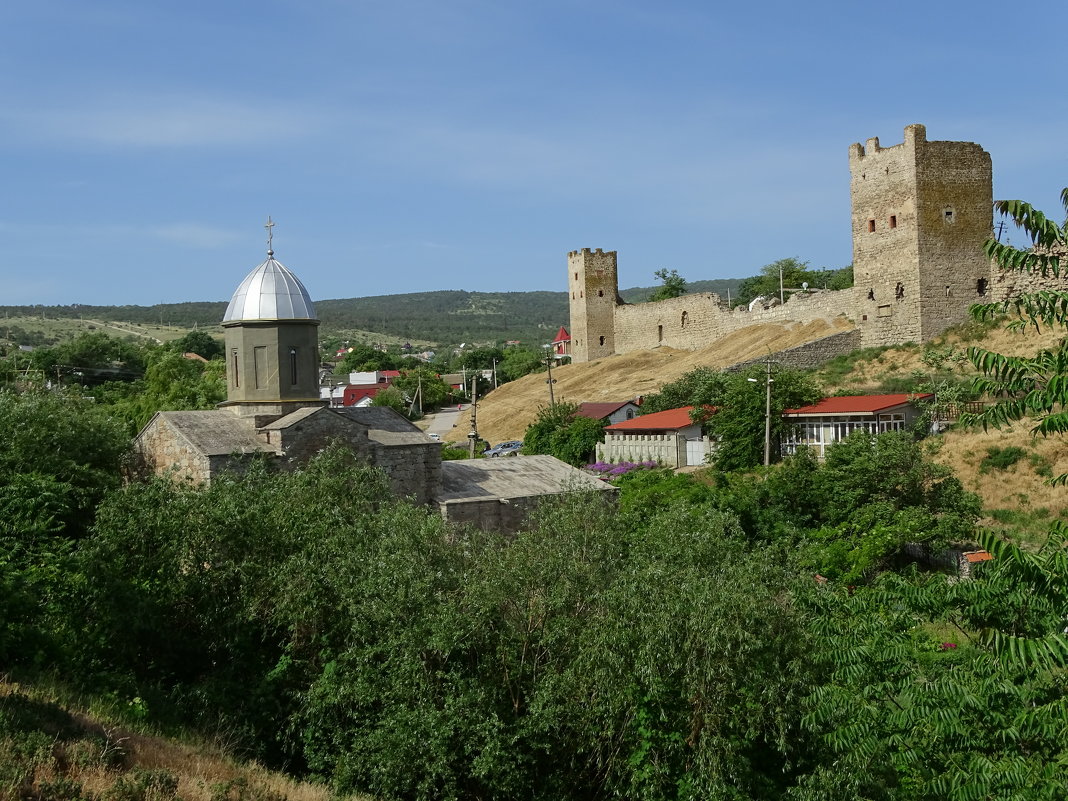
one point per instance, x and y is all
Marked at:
(915, 134)
(573, 254)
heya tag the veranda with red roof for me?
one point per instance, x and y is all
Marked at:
(832, 419)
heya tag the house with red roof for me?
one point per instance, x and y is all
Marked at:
(561, 344)
(611, 412)
(670, 437)
(831, 420)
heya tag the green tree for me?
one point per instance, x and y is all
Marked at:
(795, 274)
(364, 358)
(199, 342)
(518, 362)
(699, 387)
(1032, 386)
(672, 285)
(423, 379)
(560, 431)
(741, 403)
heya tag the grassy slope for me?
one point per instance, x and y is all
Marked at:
(45, 743)
(1016, 496)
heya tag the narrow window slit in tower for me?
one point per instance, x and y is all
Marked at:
(871, 226)
(893, 221)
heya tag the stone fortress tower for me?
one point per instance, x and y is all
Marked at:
(593, 285)
(921, 211)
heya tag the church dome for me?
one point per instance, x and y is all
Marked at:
(270, 292)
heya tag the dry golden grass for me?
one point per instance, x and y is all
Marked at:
(1019, 486)
(110, 753)
(508, 410)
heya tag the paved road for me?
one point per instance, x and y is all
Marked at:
(442, 422)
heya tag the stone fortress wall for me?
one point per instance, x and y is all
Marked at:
(921, 211)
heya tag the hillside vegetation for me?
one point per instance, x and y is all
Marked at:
(448, 316)
(54, 750)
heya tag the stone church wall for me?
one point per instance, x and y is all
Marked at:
(414, 470)
(161, 449)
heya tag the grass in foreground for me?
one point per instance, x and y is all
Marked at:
(50, 752)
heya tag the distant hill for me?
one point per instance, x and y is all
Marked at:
(447, 316)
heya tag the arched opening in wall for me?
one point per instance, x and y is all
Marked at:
(981, 286)
(660, 333)
(685, 319)
(601, 341)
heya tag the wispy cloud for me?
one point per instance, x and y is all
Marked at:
(189, 234)
(153, 122)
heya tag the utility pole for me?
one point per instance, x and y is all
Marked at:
(767, 418)
(550, 381)
(494, 373)
(768, 380)
(473, 436)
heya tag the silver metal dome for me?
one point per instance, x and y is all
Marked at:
(270, 292)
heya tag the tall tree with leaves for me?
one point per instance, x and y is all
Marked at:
(672, 285)
(1035, 386)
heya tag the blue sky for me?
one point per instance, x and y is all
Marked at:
(410, 146)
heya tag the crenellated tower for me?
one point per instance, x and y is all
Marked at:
(592, 283)
(921, 211)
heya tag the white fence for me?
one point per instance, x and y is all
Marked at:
(670, 450)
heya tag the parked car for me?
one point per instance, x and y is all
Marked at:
(434, 436)
(510, 448)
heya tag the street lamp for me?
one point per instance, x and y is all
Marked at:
(550, 380)
(767, 413)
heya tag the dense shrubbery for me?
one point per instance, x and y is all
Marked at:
(675, 646)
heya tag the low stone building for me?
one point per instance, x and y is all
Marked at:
(274, 411)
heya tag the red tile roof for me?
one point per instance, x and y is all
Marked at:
(599, 411)
(670, 420)
(858, 404)
(562, 336)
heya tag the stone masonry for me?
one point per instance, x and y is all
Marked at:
(921, 211)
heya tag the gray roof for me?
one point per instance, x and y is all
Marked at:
(515, 477)
(217, 432)
(270, 292)
(385, 426)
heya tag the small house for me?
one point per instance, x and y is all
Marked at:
(670, 437)
(831, 420)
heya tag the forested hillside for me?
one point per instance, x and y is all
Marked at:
(444, 317)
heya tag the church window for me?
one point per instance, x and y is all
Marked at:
(293, 366)
(262, 370)
(233, 367)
